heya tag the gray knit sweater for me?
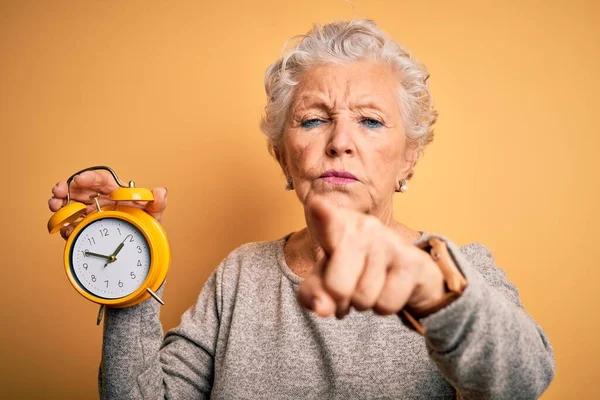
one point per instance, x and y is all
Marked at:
(248, 338)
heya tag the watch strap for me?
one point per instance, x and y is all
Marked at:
(454, 283)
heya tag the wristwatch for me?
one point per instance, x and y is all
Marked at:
(454, 283)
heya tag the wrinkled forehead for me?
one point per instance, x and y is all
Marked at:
(346, 86)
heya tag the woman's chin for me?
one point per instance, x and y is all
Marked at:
(340, 198)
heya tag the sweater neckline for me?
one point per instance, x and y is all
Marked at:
(285, 268)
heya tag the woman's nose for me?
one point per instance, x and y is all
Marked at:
(340, 141)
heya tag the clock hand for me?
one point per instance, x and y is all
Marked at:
(89, 253)
(113, 257)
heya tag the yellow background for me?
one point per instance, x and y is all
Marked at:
(170, 94)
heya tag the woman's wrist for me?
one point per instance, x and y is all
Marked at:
(443, 287)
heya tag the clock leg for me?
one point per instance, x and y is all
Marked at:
(155, 296)
(100, 314)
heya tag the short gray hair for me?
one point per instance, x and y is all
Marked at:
(343, 42)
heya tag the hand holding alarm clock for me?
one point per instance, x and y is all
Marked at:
(117, 253)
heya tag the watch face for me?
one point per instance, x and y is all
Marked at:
(110, 258)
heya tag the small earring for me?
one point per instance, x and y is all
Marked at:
(289, 185)
(403, 186)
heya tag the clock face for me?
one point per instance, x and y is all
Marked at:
(110, 258)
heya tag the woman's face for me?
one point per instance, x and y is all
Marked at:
(344, 137)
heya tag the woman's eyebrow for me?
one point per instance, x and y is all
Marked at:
(310, 101)
(369, 106)
(367, 101)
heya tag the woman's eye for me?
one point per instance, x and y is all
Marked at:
(311, 123)
(371, 123)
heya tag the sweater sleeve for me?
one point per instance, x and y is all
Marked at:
(484, 343)
(139, 363)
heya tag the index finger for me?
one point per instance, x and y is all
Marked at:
(312, 294)
(329, 222)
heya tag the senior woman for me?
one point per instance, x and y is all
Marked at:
(348, 114)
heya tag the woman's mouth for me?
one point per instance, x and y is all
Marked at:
(338, 177)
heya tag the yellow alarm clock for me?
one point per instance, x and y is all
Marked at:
(118, 255)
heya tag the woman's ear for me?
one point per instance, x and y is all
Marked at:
(411, 156)
(281, 159)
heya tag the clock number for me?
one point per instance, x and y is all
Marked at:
(104, 232)
(120, 284)
(119, 231)
(93, 278)
(106, 283)
(92, 241)
(132, 275)
(139, 249)
(85, 266)
(85, 253)
(139, 263)
(131, 238)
